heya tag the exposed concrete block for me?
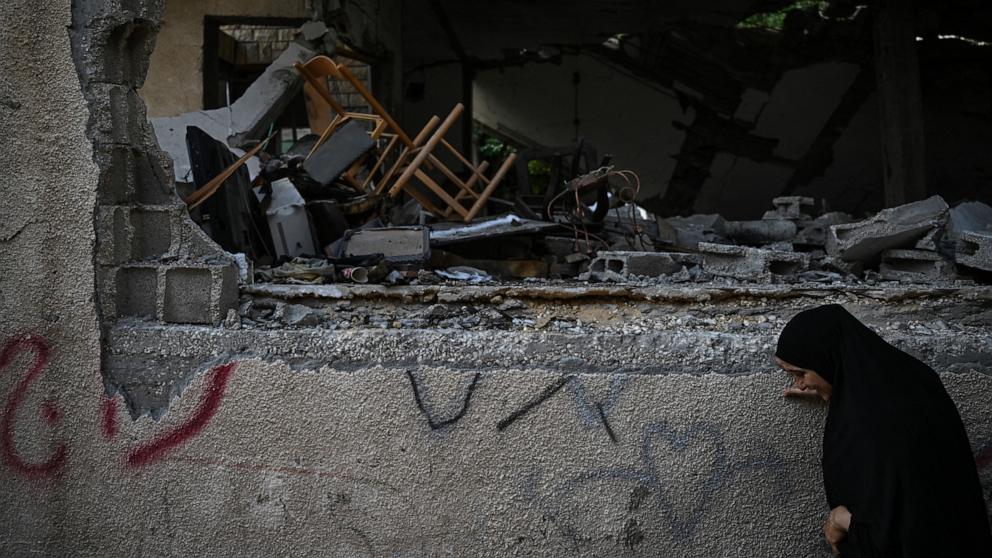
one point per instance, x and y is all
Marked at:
(152, 231)
(975, 250)
(760, 232)
(397, 244)
(117, 115)
(750, 264)
(114, 234)
(113, 39)
(915, 266)
(188, 297)
(790, 207)
(136, 291)
(895, 227)
(621, 266)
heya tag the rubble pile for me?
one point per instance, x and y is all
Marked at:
(366, 202)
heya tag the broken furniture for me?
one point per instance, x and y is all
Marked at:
(316, 72)
(564, 163)
(416, 162)
(231, 214)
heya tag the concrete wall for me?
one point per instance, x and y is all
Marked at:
(618, 114)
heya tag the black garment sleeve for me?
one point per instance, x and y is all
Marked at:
(858, 543)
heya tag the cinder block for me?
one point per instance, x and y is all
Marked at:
(136, 290)
(152, 232)
(750, 264)
(200, 295)
(117, 115)
(915, 266)
(129, 175)
(188, 296)
(814, 233)
(895, 227)
(621, 266)
(114, 39)
(974, 249)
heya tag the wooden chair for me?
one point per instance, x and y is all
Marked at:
(316, 71)
(418, 160)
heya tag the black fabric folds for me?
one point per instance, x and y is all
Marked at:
(895, 451)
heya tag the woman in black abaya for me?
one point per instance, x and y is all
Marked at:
(898, 470)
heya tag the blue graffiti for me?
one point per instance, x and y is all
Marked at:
(649, 478)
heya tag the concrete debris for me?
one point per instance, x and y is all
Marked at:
(968, 216)
(398, 245)
(790, 207)
(760, 232)
(297, 315)
(814, 233)
(916, 266)
(622, 266)
(464, 273)
(751, 264)
(974, 249)
(895, 227)
(246, 119)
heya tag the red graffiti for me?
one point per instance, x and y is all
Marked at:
(209, 404)
(50, 412)
(108, 418)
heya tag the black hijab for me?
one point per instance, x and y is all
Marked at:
(895, 451)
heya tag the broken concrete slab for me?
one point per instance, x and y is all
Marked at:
(687, 232)
(623, 266)
(750, 264)
(401, 245)
(765, 231)
(974, 249)
(916, 266)
(895, 227)
(246, 119)
(507, 225)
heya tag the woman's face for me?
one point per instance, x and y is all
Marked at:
(806, 380)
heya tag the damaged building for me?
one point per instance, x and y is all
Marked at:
(384, 278)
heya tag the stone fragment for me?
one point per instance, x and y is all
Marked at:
(814, 233)
(402, 245)
(621, 266)
(765, 231)
(750, 264)
(895, 227)
(915, 266)
(974, 249)
(298, 315)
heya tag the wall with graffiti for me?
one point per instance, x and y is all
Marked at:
(257, 458)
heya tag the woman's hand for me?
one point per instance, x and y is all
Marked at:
(836, 527)
(803, 393)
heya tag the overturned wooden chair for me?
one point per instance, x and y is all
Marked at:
(415, 164)
(382, 126)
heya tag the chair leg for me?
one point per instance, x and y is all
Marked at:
(484, 196)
